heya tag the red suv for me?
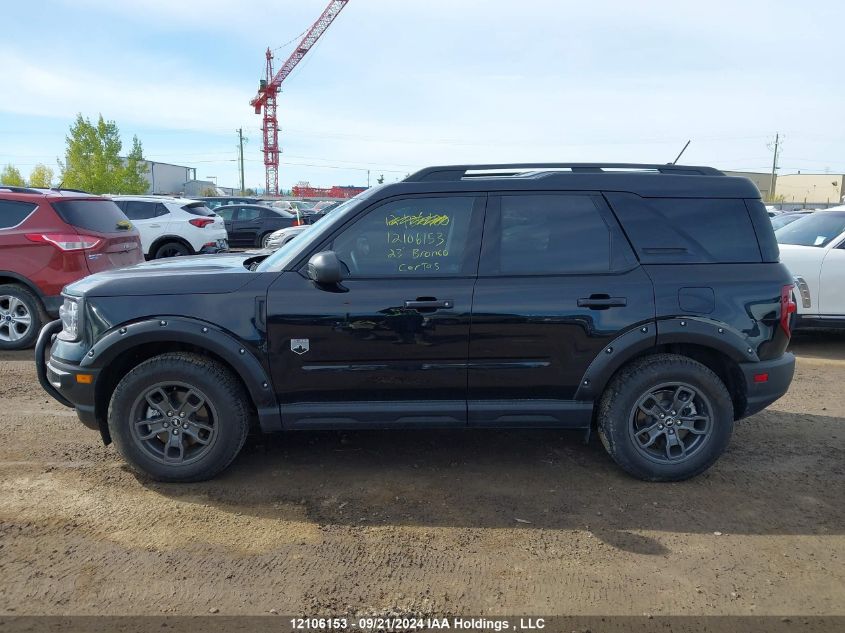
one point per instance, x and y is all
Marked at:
(49, 238)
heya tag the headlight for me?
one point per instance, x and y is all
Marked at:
(69, 314)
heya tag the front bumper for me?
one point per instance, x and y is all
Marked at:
(760, 394)
(59, 379)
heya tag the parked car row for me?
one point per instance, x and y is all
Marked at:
(50, 238)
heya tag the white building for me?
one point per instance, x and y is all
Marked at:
(167, 178)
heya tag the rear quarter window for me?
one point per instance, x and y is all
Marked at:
(198, 208)
(101, 216)
(687, 230)
(13, 212)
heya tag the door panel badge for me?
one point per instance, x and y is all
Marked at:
(299, 345)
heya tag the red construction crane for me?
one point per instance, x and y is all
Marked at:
(269, 88)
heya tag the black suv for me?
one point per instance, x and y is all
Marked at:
(645, 299)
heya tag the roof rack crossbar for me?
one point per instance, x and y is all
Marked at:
(458, 172)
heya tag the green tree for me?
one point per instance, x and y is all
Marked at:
(133, 180)
(208, 192)
(41, 176)
(249, 191)
(93, 163)
(11, 176)
(380, 179)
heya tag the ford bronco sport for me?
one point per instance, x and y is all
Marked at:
(645, 299)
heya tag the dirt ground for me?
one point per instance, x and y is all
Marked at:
(466, 522)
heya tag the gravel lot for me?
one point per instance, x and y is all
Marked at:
(468, 522)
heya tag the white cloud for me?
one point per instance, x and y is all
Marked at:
(62, 90)
(399, 83)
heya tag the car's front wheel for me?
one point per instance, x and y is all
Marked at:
(665, 418)
(179, 417)
(264, 240)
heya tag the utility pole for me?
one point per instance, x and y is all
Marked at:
(774, 168)
(240, 131)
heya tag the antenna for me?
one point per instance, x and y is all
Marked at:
(678, 157)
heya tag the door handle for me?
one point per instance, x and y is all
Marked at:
(428, 304)
(602, 302)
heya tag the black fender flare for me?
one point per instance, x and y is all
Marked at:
(618, 352)
(707, 333)
(691, 330)
(200, 334)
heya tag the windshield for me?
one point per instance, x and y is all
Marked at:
(780, 221)
(290, 251)
(817, 229)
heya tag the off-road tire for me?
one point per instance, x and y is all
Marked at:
(220, 386)
(620, 398)
(34, 308)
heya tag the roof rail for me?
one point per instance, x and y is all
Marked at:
(458, 172)
(17, 189)
(71, 190)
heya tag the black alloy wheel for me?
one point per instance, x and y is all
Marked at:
(174, 423)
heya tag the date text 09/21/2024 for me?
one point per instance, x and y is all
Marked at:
(412, 623)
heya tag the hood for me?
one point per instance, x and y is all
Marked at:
(203, 274)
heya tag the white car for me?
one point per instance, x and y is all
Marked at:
(813, 248)
(170, 227)
(281, 237)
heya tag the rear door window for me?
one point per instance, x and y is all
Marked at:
(139, 209)
(226, 212)
(246, 214)
(101, 216)
(547, 234)
(13, 212)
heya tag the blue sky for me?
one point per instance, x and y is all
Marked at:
(395, 85)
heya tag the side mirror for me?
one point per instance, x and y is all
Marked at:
(325, 268)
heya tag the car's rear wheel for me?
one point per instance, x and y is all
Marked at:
(179, 417)
(21, 317)
(172, 249)
(665, 418)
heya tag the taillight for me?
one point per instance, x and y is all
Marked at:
(297, 222)
(66, 241)
(787, 307)
(201, 222)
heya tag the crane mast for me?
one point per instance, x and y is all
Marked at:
(265, 101)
